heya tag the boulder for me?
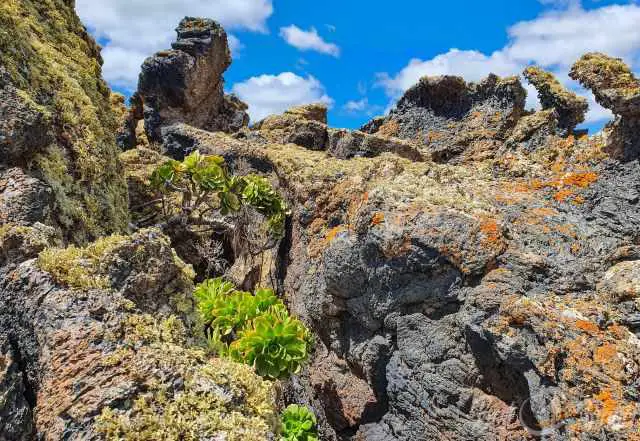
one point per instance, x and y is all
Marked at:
(346, 144)
(305, 126)
(97, 343)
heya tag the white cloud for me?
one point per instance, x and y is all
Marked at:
(135, 29)
(308, 40)
(554, 41)
(362, 107)
(472, 65)
(235, 45)
(356, 106)
(271, 94)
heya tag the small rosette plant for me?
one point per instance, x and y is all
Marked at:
(298, 424)
(275, 344)
(252, 329)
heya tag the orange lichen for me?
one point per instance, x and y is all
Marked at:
(390, 128)
(334, 232)
(582, 180)
(605, 353)
(377, 218)
(490, 230)
(609, 405)
(587, 326)
(563, 195)
(434, 136)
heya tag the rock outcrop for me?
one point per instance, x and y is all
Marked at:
(616, 88)
(422, 282)
(569, 107)
(469, 270)
(306, 126)
(446, 116)
(95, 344)
(56, 124)
(185, 84)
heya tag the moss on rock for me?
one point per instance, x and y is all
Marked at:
(570, 107)
(50, 59)
(80, 267)
(204, 398)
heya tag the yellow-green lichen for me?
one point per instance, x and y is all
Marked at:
(80, 267)
(54, 64)
(599, 71)
(147, 329)
(215, 397)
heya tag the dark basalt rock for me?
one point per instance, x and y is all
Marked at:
(24, 129)
(185, 84)
(447, 115)
(24, 199)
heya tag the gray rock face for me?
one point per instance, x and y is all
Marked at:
(24, 129)
(346, 144)
(24, 199)
(306, 127)
(185, 84)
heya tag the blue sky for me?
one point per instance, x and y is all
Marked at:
(360, 56)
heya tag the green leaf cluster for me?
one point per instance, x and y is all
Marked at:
(298, 424)
(254, 329)
(259, 194)
(206, 184)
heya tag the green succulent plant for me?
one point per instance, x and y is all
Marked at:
(207, 188)
(252, 329)
(275, 344)
(259, 194)
(226, 309)
(298, 424)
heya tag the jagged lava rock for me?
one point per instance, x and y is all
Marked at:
(570, 108)
(56, 121)
(616, 88)
(447, 115)
(185, 84)
(102, 338)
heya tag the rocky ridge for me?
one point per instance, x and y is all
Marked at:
(469, 269)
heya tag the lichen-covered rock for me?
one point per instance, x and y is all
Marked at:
(445, 115)
(139, 164)
(611, 81)
(19, 242)
(345, 144)
(305, 126)
(302, 126)
(185, 84)
(311, 112)
(616, 88)
(25, 127)
(569, 107)
(103, 340)
(24, 199)
(534, 131)
(374, 125)
(50, 70)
